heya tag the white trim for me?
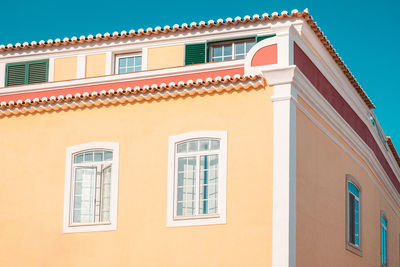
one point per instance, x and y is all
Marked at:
(2, 74)
(145, 55)
(284, 176)
(67, 228)
(51, 70)
(117, 57)
(109, 59)
(81, 67)
(200, 220)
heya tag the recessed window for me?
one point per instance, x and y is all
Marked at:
(384, 229)
(353, 224)
(128, 63)
(197, 179)
(91, 185)
(377, 129)
(229, 50)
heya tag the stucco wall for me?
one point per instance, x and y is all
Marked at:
(32, 185)
(165, 57)
(95, 65)
(65, 68)
(322, 166)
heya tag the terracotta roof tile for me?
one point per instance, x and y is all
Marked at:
(201, 25)
(393, 149)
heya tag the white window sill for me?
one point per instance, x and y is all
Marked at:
(92, 227)
(196, 220)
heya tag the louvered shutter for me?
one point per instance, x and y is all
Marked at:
(37, 72)
(195, 53)
(15, 74)
(263, 37)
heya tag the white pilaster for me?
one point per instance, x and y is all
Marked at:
(284, 177)
(2, 74)
(81, 68)
(51, 70)
(109, 64)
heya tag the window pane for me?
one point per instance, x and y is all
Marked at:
(105, 195)
(356, 223)
(217, 51)
(214, 144)
(88, 157)
(193, 146)
(108, 155)
(228, 50)
(351, 219)
(182, 148)
(186, 188)
(204, 145)
(78, 158)
(208, 184)
(130, 61)
(353, 189)
(84, 193)
(98, 156)
(249, 45)
(239, 48)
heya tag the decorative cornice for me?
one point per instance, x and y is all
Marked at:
(131, 95)
(393, 149)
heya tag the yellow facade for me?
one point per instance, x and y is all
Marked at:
(65, 68)
(322, 166)
(32, 190)
(165, 57)
(95, 65)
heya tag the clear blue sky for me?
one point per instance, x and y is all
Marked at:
(366, 34)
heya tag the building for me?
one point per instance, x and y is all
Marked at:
(237, 142)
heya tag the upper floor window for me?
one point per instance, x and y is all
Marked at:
(197, 179)
(229, 50)
(384, 229)
(27, 72)
(91, 185)
(353, 215)
(377, 129)
(126, 63)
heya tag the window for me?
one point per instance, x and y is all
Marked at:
(128, 63)
(377, 129)
(353, 228)
(197, 179)
(27, 72)
(384, 229)
(229, 50)
(91, 185)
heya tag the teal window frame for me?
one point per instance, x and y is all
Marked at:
(384, 239)
(353, 215)
(26, 64)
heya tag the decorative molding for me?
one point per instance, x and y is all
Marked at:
(131, 95)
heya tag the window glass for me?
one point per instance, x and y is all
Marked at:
(130, 63)
(197, 177)
(230, 50)
(383, 241)
(91, 185)
(353, 214)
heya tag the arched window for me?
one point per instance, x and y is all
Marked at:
(197, 179)
(353, 215)
(91, 187)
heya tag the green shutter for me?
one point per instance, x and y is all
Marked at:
(15, 74)
(195, 53)
(27, 72)
(263, 37)
(37, 72)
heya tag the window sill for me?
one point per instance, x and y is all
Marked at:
(88, 224)
(196, 220)
(93, 227)
(354, 249)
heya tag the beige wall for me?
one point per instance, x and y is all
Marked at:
(32, 185)
(165, 57)
(321, 196)
(65, 68)
(95, 65)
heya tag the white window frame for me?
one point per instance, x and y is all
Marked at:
(68, 227)
(133, 54)
(220, 217)
(233, 43)
(350, 246)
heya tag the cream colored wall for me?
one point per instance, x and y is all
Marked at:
(65, 68)
(32, 185)
(321, 196)
(165, 57)
(95, 65)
